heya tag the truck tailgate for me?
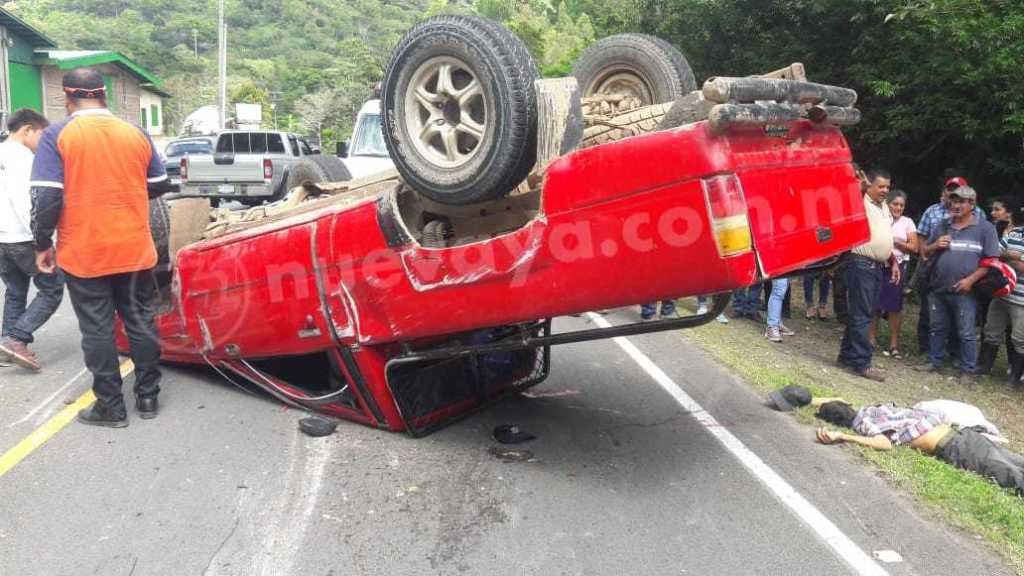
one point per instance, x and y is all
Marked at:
(240, 169)
(802, 196)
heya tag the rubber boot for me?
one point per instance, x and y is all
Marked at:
(986, 358)
(1017, 370)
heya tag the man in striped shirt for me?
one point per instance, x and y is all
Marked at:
(1008, 311)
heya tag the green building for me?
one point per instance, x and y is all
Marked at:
(32, 70)
(21, 77)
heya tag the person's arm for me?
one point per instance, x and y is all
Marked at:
(965, 284)
(877, 442)
(157, 183)
(939, 244)
(1014, 259)
(47, 193)
(817, 402)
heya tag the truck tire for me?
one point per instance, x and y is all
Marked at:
(160, 229)
(460, 111)
(314, 170)
(640, 66)
(634, 123)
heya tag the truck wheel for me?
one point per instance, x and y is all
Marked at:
(314, 170)
(644, 68)
(460, 110)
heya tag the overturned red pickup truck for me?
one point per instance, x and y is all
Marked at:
(382, 304)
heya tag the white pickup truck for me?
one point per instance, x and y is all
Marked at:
(249, 166)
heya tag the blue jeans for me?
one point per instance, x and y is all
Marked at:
(668, 307)
(18, 271)
(779, 287)
(823, 282)
(949, 311)
(747, 300)
(863, 282)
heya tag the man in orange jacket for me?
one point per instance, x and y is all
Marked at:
(92, 180)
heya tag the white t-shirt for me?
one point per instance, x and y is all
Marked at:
(15, 200)
(961, 414)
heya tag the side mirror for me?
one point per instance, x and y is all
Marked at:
(342, 149)
(314, 150)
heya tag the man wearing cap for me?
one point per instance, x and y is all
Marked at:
(865, 267)
(935, 216)
(92, 180)
(958, 247)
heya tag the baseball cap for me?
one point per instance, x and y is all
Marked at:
(965, 192)
(956, 182)
(789, 398)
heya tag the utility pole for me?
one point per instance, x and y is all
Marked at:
(195, 42)
(222, 64)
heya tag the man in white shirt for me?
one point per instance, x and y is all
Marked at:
(17, 250)
(864, 272)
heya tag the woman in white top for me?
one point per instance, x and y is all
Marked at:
(890, 298)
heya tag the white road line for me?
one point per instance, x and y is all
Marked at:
(49, 399)
(858, 560)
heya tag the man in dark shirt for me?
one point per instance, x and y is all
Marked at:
(958, 247)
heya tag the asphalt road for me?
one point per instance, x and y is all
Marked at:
(624, 480)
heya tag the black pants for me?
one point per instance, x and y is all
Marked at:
(970, 450)
(18, 271)
(95, 300)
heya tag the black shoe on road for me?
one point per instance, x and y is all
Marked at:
(147, 407)
(98, 417)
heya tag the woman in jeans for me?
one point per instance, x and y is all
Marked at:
(890, 297)
(776, 329)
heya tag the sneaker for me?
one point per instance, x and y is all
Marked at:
(773, 334)
(702, 309)
(17, 352)
(786, 331)
(927, 367)
(812, 311)
(722, 319)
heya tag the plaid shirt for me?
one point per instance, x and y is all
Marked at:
(936, 214)
(899, 425)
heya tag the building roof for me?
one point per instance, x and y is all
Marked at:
(68, 59)
(35, 38)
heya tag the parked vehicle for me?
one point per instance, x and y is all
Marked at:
(249, 166)
(181, 147)
(380, 304)
(365, 154)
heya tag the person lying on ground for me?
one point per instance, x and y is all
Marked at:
(883, 426)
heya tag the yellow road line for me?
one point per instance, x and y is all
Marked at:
(40, 435)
